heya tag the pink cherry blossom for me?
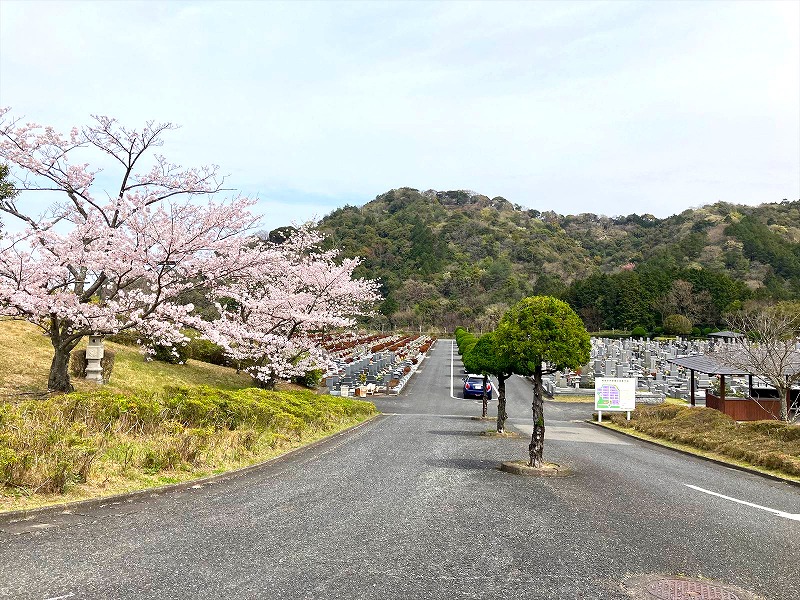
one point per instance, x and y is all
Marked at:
(271, 313)
(102, 261)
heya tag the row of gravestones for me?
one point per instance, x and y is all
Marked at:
(368, 369)
(646, 360)
(378, 368)
(362, 349)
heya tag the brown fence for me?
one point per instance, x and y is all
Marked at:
(745, 409)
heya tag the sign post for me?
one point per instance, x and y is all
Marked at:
(614, 394)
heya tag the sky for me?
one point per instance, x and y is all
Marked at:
(605, 107)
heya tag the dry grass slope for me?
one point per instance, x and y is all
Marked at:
(25, 355)
(772, 445)
(152, 424)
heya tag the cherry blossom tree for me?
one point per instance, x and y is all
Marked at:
(292, 291)
(98, 261)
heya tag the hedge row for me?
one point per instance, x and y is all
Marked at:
(46, 445)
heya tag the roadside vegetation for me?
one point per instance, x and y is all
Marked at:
(773, 446)
(152, 424)
(537, 335)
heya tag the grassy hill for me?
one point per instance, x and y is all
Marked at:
(151, 425)
(459, 258)
(26, 354)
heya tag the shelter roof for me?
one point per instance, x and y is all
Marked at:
(726, 334)
(706, 363)
(718, 364)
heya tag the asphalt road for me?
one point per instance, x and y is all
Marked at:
(412, 505)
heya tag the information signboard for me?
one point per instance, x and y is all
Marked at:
(614, 394)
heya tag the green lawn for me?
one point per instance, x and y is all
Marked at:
(26, 353)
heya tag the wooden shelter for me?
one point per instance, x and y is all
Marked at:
(727, 336)
(750, 408)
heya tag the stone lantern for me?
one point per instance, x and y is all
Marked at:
(94, 354)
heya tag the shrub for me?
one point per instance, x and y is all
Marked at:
(50, 444)
(129, 337)
(677, 325)
(78, 363)
(107, 363)
(115, 412)
(205, 350)
(176, 354)
(639, 332)
(311, 380)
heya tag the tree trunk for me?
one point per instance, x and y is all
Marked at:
(484, 399)
(501, 404)
(64, 339)
(785, 395)
(265, 385)
(58, 381)
(536, 448)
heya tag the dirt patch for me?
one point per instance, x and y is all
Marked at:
(521, 467)
(587, 398)
(505, 434)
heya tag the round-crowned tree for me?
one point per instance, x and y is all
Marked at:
(677, 325)
(487, 357)
(541, 335)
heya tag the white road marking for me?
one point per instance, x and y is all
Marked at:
(780, 513)
(70, 595)
(452, 368)
(438, 415)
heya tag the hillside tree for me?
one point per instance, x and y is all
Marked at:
(7, 189)
(105, 257)
(542, 335)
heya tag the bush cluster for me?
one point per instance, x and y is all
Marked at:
(47, 445)
(177, 354)
(196, 348)
(770, 444)
(206, 351)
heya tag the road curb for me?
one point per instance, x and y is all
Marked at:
(706, 458)
(25, 514)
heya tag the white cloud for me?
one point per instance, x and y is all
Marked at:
(604, 107)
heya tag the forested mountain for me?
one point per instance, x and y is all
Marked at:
(461, 258)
